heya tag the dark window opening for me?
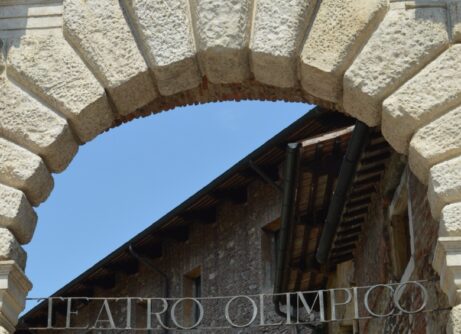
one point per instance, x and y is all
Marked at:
(192, 288)
(269, 246)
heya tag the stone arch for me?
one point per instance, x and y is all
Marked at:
(72, 69)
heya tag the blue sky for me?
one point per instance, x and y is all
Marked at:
(127, 178)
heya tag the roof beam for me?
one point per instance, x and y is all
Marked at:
(106, 282)
(205, 216)
(150, 250)
(235, 195)
(178, 233)
(327, 136)
(128, 267)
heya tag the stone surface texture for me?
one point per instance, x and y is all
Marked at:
(432, 92)
(340, 29)
(222, 29)
(51, 69)
(29, 123)
(279, 28)
(406, 41)
(450, 224)
(25, 171)
(436, 142)
(444, 185)
(98, 30)
(69, 72)
(454, 323)
(10, 249)
(16, 214)
(167, 36)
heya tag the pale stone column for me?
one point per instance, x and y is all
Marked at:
(14, 287)
(31, 146)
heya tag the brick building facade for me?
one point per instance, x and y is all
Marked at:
(225, 241)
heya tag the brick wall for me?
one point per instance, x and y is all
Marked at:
(228, 253)
(232, 262)
(373, 264)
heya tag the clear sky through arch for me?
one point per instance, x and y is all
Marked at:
(127, 178)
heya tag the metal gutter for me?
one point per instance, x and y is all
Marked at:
(288, 211)
(291, 177)
(348, 169)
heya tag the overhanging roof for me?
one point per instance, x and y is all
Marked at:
(201, 207)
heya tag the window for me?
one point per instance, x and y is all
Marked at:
(192, 287)
(400, 230)
(269, 246)
(400, 245)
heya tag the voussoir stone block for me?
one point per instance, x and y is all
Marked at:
(339, 30)
(279, 28)
(29, 123)
(10, 249)
(427, 96)
(436, 142)
(166, 32)
(50, 68)
(222, 29)
(99, 32)
(454, 321)
(16, 214)
(405, 41)
(444, 185)
(25, 171)
(450, 222)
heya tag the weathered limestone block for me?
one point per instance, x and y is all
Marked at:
(454, 322)
(436, 142)
(431, 93)
(99, 32)
(16, 214)
(406, 41)
(14, 287)
(223, 33)
(450, 222)
(444, 185)
(25, 171)
(338, 32)
(166, 32)
(29, 123)
(10, 249)
(455, 17)
(278, 31)
(50, 68)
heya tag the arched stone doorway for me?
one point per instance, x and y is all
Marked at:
(69, 71)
